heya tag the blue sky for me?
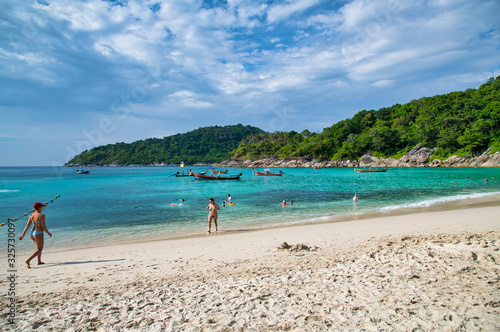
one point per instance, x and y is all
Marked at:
(77, 74)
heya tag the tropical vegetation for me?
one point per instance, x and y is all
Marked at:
(463, 123)
(203, 145)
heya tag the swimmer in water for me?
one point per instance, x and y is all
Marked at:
(355, 198)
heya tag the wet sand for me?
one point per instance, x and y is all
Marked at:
(429, 270)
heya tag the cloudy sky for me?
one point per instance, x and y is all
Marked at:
(77, 74)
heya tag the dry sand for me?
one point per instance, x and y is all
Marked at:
(437, 270)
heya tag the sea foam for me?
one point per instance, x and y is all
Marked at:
(430, 202)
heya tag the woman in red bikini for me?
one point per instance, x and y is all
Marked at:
(36, 233)
(213, 207)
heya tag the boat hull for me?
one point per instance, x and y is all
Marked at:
(189, 174)
(267, 173)
(371, 171)
(208, 177)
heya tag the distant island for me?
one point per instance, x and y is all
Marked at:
(204, 145)
(463, 124)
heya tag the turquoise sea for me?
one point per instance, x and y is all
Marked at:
(123, 204)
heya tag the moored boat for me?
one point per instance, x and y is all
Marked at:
(267, 173)
(218, 177)
(370, 170)
(83, 172)
(179, 175)
(218, 172)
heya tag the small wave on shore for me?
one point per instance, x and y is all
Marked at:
(431, 202)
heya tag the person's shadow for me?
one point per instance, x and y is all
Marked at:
(81, 262)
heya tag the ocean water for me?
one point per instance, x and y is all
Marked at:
(113, 205)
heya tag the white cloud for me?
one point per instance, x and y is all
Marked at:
(383, 83)
(182, 94)
(282, 11)
(103, 49)
(189, 99)
(87, 16)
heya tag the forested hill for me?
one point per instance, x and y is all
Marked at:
(462, 123)
(205, 145)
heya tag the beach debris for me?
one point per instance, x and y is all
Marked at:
(470, 256)
(296, 247)
(299, 247)
(284, 246)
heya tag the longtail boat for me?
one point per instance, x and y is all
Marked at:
(218, 172)
(218, 177)
(370, 170)
(178, 175)
(83, 172)
(267, 173)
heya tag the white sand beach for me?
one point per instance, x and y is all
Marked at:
(425, 270)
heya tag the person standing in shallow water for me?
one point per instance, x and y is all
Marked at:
(355, 198)
(36, 233)
(213, 207)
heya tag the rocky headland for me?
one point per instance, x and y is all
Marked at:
(417, 157)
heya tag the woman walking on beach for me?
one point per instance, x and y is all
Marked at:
(36, 233)
(213, 207)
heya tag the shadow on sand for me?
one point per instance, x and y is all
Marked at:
(81, 262)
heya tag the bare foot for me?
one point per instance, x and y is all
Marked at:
(28, 264)
(40, 263)
(208, 231)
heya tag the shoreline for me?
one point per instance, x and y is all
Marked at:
(488, 200)
(341, 164)
(374, 218)
(436, 264)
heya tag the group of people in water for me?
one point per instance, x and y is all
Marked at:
(38, 220)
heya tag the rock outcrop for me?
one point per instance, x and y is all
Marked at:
(287, 162)
(417, 157)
